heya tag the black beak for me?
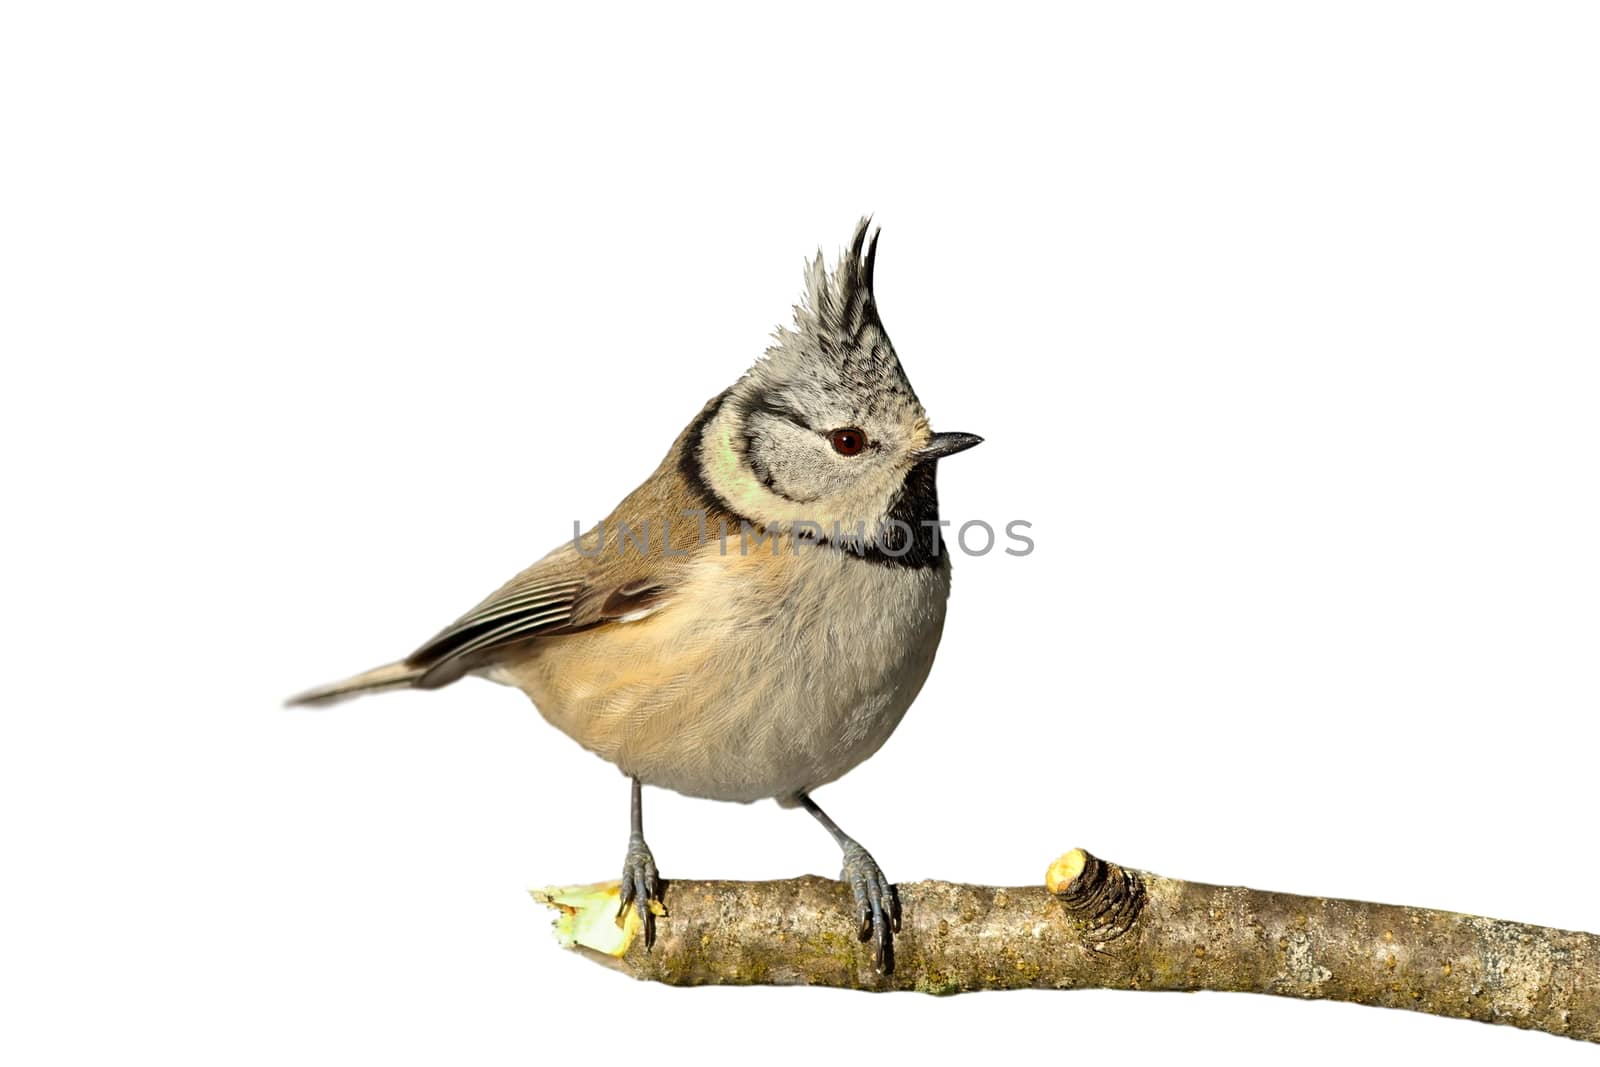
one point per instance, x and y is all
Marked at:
(948, 444)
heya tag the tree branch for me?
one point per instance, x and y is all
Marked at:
(1099, 925)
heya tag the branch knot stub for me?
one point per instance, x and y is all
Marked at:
(1105, 898)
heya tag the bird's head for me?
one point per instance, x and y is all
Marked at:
(825, 429)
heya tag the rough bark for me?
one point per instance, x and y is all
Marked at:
(1095, 924)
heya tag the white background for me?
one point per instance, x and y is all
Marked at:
(322, 319)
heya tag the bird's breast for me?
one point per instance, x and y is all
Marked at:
(762, 676)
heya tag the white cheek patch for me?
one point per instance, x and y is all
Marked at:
(730, 477)
(727, 473)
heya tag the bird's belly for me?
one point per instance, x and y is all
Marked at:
(757, 682)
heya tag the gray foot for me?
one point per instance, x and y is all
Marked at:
(877, 904)
(641, 887)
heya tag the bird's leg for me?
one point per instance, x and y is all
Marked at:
(640, 885)
(877, 904)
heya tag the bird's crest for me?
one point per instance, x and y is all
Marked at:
(837, 339)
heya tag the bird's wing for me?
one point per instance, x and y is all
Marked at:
(596, 580)
(556, 596)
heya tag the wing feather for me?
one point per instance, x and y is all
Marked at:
(533, 605)
(521, 607)
(516, 628)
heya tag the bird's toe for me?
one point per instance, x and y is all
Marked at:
(877, 905)
(641, 887)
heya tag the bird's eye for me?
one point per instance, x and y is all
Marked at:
(849, 441)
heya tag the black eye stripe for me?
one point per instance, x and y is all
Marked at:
(777, 409)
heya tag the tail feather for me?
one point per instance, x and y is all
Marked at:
(390, 676)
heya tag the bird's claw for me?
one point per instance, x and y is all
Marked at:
(641, 887)
(877, 904)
